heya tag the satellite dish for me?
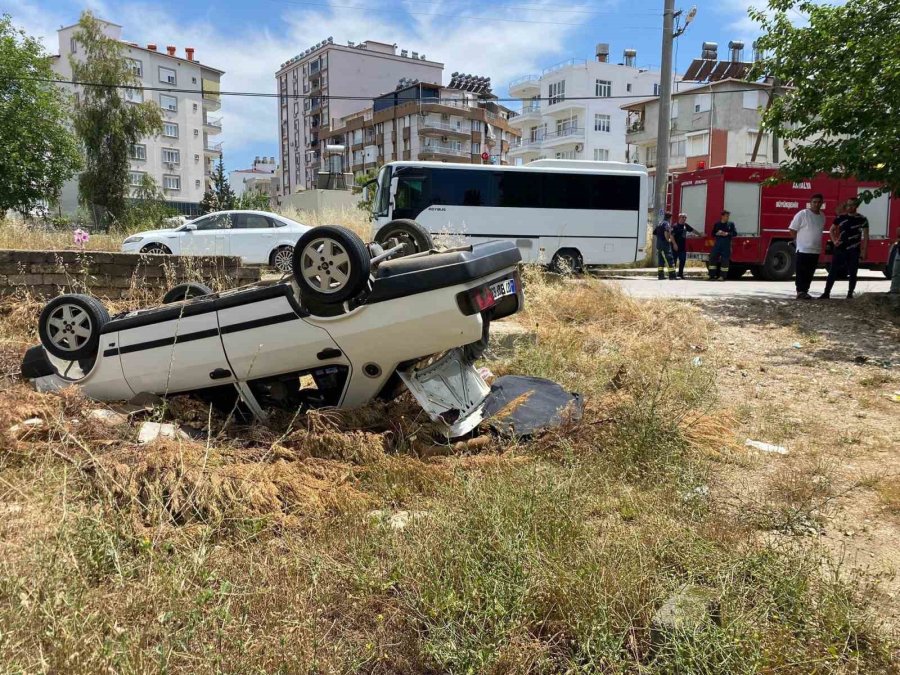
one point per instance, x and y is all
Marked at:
(690, 15)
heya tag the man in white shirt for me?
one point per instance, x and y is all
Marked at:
(806, 228)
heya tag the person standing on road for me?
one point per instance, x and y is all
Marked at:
(664, 245)
(679, 234)
(720, 256)
(895, 271)
(806, 228)
(850, 236)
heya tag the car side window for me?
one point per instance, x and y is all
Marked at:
(274, 222)
(217, 221)
(253, 221)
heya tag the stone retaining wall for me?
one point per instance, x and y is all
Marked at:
(114, 275)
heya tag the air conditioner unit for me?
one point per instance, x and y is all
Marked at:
(579, 148)
(196, 158)
(170, 79)
(172, 108)
(170, 165)
(196, 132)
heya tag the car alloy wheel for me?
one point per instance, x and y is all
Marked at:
(282, 259)
(325, 265)
(155, 249)
(69, 327)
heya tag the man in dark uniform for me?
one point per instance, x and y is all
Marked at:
(664, 259)
(679, 234)
(850, 235)
(720, 256)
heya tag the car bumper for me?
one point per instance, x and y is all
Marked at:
(133, 247)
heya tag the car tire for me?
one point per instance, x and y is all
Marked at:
(69, 326)
(156, 249)
(780, 262)
(567, 261)
(891, 261)
(186, 291)
(330, 265)
(414, 237)
(282, 259)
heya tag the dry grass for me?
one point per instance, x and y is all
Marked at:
(354, 542)
(19, 236)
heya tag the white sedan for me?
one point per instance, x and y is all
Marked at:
(256, 236)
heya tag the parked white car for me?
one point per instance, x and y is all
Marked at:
(258, 237)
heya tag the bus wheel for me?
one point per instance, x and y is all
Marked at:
(779, 264)
(414, 237)
(567, 261)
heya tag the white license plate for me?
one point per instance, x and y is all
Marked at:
(503, 288)
(698, 256)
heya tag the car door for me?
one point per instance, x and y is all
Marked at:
(174, 349)
(252, 237)
(210, 236)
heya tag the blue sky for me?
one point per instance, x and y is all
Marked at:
(249, 40)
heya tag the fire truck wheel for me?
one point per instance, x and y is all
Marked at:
(779, 265)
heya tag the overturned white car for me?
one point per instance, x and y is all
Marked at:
(353, 322)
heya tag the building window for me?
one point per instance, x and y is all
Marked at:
(171, 156)
(601, 123)
(167, 75)
(677, 147)
(135, 178)
(476, 148)
(476, 125)
(137, 68)
(650, 153)
(698, 144)
(557, 92)
(170, 130)
(73, 45)
(137, 151)
(656, 88)
(171, 182)
(674, 112)
(134, 96)
(567, 126)
(565, 154)
(603, 88)
(702, 102)
(167, 102)
(764, 144)
(601, 155)
(751, 100)
(628, 88)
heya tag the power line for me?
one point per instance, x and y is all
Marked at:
(526, 8)
(335, 97)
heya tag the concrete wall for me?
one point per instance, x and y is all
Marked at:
(321, 201)
(114, 275)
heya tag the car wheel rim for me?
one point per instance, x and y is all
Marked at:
(155, 250)
(781, 262)
(69, 327)
(325, 266)
(283, 261)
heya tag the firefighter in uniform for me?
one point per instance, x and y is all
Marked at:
(720, 256)
(664, 244)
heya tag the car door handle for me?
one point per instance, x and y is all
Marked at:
(219, 374)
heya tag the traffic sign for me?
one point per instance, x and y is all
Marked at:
(485, 156)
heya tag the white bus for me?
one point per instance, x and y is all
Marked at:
(574, 212)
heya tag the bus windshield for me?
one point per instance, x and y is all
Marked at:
(382, 200)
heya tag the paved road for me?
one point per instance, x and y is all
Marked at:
(747, 286)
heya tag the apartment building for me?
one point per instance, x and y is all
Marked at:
(572, 110)
(714, 124)
(181, 158)
(419, 121)
(258, 177)
(314, 89)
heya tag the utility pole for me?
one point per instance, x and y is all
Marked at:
(665, 108)
(665, 114)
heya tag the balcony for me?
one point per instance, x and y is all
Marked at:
(444, 150)
(445, 127)
(525, 145)
(563, 136)
(212, 126)
(525, 85)
(213, 148)
(529, 112)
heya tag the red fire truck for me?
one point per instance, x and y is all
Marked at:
(762, 214)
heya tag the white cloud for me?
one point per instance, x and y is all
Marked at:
(250, 57)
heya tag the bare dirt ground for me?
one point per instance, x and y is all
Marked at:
(818, 379)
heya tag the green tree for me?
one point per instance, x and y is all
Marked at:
(220, 197)
(148, 208)
(106, 123)
(838, 111)
(38, 152)
(253, 200)
(365, 202)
